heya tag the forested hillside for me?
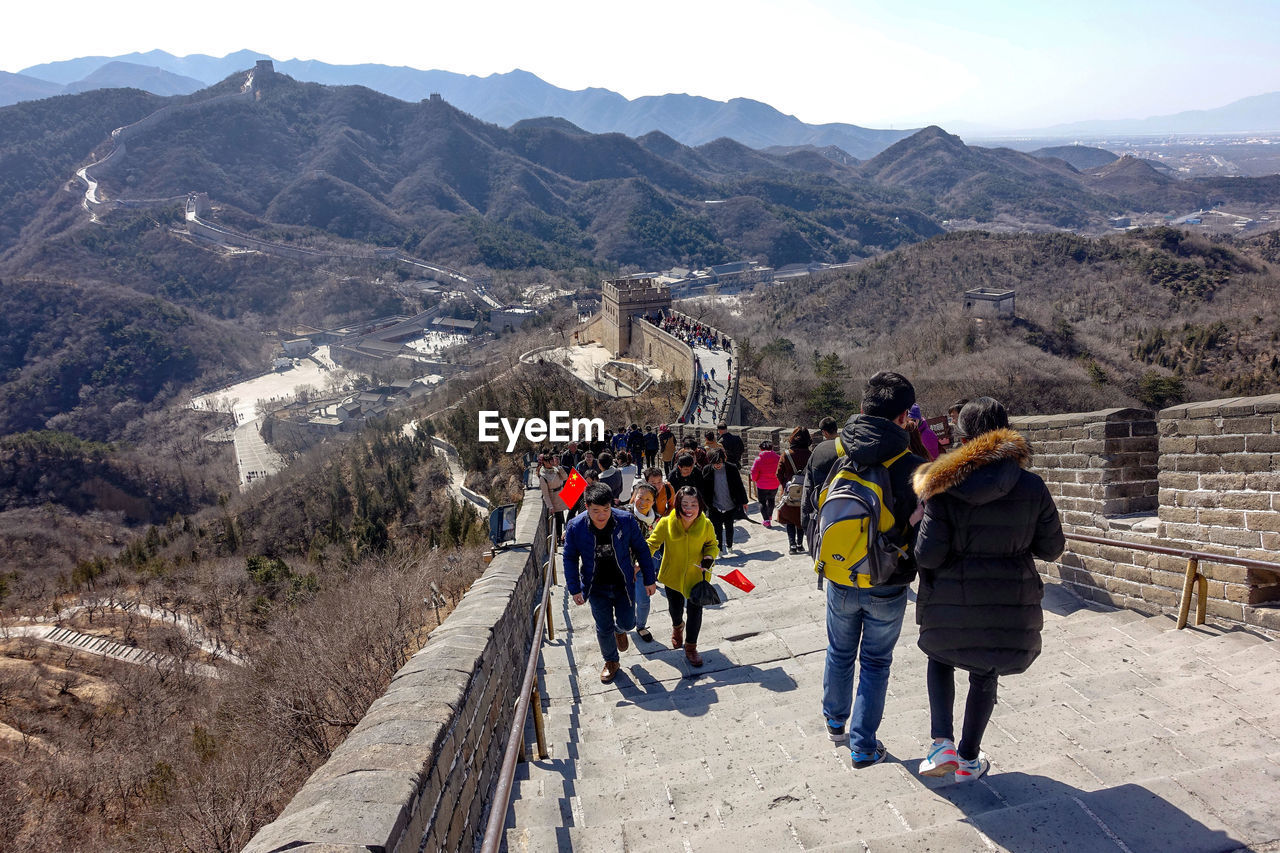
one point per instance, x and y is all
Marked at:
(323, 581)
(1151, 317)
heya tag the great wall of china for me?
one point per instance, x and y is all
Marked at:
(418, 772)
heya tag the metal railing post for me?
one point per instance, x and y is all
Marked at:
(552, 552)
(1203, 602)
(538, 727)
(1188, 583)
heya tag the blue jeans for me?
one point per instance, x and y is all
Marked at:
(614, 613)
(642, 603)
(862, 624)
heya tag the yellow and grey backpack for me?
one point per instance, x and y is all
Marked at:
(850, 544)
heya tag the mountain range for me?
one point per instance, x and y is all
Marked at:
(344, 167)
(431, 179)
(502, 99)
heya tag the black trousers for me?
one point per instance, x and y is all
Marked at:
(677, 605)
(767, 499)
(977, 707)
(722, 522)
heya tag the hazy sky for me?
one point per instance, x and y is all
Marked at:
(904, 63)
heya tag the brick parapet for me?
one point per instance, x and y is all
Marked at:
(418, 771)
(1202, 477)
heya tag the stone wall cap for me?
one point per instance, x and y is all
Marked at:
(372, 826)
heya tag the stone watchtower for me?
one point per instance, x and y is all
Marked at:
(989, 300)
(623, 299)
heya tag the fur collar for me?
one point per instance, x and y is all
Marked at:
(952, 469)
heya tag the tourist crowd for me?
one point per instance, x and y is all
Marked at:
(878, 502)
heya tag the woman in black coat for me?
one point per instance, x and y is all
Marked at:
(978, 607)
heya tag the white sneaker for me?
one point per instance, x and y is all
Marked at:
(941, 760)
(726, 552)
(972, 771)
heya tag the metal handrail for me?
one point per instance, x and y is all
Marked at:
(1193, 581)
(528, 698)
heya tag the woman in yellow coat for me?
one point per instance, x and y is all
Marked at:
(690, 549)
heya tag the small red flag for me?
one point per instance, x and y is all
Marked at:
(739, 580)
(573, 488)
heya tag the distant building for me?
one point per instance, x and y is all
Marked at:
(298, 347)
(1119, 222)
(988, 300)
(454, 326)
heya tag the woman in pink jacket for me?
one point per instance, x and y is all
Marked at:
(764, 477)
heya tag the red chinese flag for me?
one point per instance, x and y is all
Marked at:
(573, 488)
(739, 580)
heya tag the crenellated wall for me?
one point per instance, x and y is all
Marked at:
(418, 771)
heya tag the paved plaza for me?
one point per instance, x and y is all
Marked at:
(316, 372)
(587, 360)
(1126, 736)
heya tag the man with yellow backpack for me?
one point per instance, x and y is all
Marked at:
(864, 520)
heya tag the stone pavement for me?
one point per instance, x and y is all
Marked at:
(1125, 735)
(716, 389)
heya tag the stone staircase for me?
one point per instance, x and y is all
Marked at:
(1125, 735)
(107, 648)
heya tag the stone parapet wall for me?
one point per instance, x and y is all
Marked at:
(666, 351)
(1200, 477)
(1097, 464)
(418, 771)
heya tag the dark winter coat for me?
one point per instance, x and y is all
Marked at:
(985, 521)
(816, 470)
(733, 478)
(868, 440)
(733, 447)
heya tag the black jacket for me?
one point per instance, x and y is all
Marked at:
(815, 476)
(737, 491)
(733, 447)
(869, 440)
(694, 479)
(985, 520)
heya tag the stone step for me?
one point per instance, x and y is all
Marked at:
(1083, 622)
(1125, 818)
(531, 811)
(583, 839)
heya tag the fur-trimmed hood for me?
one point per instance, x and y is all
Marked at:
(978, 472)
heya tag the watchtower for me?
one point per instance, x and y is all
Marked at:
(988, 300)
(624, 299)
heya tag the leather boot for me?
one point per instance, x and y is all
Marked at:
(677, 636)
(609, 671)
(691, 654)
(622, 641)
